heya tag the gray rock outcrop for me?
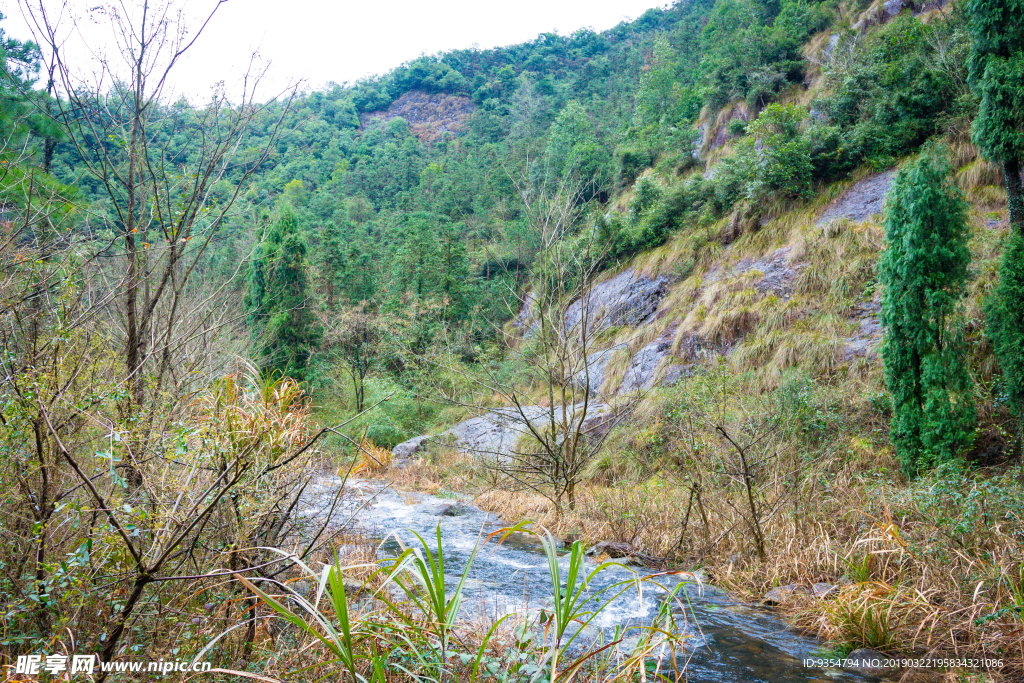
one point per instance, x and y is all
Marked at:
(641, 372)
(496, 434)
(777, 274)
(893, 7)
(592, 376)
(629, 299)
(862, 201)
(864, 342)
(674, 373)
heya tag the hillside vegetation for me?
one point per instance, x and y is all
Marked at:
(734, 286)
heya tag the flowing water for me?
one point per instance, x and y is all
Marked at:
(730, 641)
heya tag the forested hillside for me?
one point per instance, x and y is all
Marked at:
(735, 286)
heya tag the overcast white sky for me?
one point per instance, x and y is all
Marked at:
(322, 41)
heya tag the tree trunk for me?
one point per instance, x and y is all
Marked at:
(110, 649)
(1014, 194)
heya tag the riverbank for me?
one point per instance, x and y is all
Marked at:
(903, 582)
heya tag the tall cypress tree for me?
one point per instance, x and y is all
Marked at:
(278, 299)
(997, 72)
(1004, 311)
(924, 269)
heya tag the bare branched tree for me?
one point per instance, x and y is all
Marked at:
(356, 338)
(172, 175)
(549, 446)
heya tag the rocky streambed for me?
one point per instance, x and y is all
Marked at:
(729, 641)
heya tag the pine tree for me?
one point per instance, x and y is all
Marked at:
(1005, 313)
(278, 299)
(923, 269)
(997, 72)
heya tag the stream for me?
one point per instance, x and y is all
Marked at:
(730, 641)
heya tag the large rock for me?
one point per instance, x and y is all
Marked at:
(783, 594)
(893, 7)
(777, 275)
(407, 449)
(496, 434)
(824, 590)
(830, 48)
(592, 376)
(640, 374)
(628, 299)
(862, 201)
(526, 321)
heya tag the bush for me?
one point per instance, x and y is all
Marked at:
(892, 94)
(631, 162)
(774, 159)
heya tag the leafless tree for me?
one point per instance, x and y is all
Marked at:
(356, 338)
(172, 175)
(555, 442)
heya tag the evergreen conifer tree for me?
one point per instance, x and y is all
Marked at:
(997, 72)
(278, 299)
(923, 269)
(1004, 311)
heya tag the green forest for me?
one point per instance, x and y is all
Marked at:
(734, 289)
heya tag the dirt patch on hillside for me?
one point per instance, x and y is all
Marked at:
(430, 115)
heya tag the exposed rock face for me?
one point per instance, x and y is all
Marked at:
(893, 7)
(833, 41)
(674, 373)
(864, 343)
(430, 115)
(778, 275)
(702, 136)
(593, 376)
(726, 116)
(626, 299)
(527, 318)
(693, 347)
(496, 434)
(862, 201)
(643, 366)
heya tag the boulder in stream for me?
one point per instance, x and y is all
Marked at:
(448, 510)
(783, 594)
